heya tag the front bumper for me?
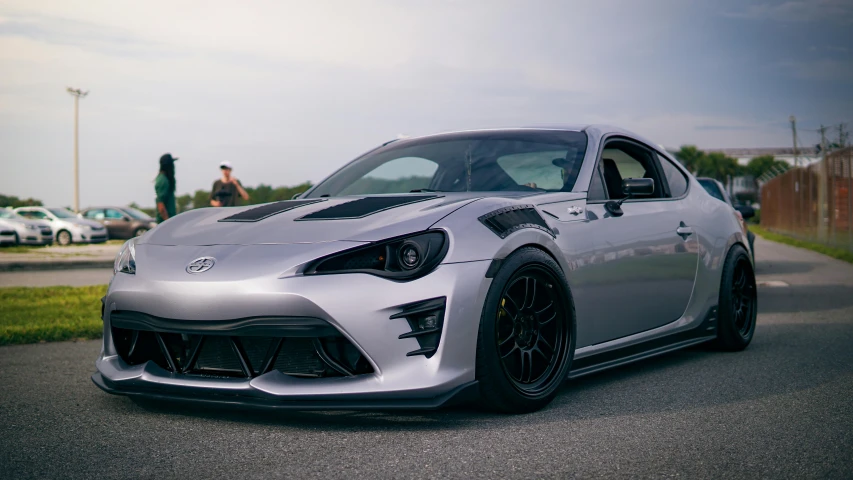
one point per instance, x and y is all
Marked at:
(358, 306)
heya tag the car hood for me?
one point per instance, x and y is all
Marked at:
(205, 226)
(24, 221)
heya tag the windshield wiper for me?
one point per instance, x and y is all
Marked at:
(420, 190)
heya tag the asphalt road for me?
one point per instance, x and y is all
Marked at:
(76, 278)
(781, 409)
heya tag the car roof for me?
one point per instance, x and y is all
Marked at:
(598, 129)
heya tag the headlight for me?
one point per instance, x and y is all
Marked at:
(402, 258)
(126, 259)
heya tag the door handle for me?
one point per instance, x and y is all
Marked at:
(684, 231)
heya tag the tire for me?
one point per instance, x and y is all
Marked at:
(738, 304)
(751, 238)
(63, 237)
(510, 344)
(17, 239)
(139, 232)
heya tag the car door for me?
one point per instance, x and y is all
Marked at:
(642, 272)
(118, 224)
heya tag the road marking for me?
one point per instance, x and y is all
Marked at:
(773, 283)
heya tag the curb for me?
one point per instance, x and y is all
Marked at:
(24, 266)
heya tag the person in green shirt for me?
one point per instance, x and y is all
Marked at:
(164, 187)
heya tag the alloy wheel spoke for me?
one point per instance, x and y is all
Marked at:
(550, 304)
(513, 349)
(552, 317)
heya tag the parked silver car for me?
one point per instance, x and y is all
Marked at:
(486, 265)
(67, 227)
(17, 230)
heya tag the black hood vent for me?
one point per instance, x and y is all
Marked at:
(268, 210)
(364, 207)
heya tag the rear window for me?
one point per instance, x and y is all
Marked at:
(711, 187)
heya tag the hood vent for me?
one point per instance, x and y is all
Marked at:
(364, 207)
(268, 210)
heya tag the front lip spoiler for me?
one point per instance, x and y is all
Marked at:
(462, 394)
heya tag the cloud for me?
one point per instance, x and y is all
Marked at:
(832, 11)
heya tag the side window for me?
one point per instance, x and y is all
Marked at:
(94, 214)
(113, 214)
(676, 180)
(35, 214)
(621, 160)
(400, 175)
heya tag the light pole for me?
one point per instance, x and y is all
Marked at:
(78, 94)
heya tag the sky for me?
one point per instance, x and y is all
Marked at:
(289, 91)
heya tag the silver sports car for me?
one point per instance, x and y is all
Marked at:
(489, 264)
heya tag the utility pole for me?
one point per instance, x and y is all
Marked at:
(77, 94)
(822, 195)
(793, 120)
(842, 135)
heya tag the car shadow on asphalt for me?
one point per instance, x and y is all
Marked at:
(691, 379)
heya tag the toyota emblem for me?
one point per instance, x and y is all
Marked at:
(201, 265)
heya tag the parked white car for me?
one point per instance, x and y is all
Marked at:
(15, 229)
(67, 227)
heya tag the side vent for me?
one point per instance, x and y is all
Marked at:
(511, 219)
(426, 319)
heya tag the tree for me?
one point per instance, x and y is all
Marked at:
(183, 202)
(758, 166)
(690, 157)
(15, 202)
(718, 166)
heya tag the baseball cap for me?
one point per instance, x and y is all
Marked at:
(226, 164)
(167, 158)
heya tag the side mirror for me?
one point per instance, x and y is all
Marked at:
(126, 219)
(295, 196)
(631, 187)
(746, 211)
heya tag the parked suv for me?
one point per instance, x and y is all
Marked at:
(16, 229)
(121, 222)
(68, 227)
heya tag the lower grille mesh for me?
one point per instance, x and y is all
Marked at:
(240, 356)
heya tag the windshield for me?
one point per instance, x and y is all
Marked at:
(4, 213)
(137, 214)
(712, 188)
(535, 160)
(62, 213)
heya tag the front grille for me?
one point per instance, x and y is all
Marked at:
(241, 356)
(7, 232)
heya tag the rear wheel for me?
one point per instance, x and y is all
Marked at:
(527, 334)
(63, 237)
(738, 303)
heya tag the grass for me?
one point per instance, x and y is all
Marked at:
(18, 248)
(839, 253)
(50, 314)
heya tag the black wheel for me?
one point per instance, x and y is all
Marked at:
(527, 334)
(139, 232)
(17, 239)
(63, 237)
(738, 304)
